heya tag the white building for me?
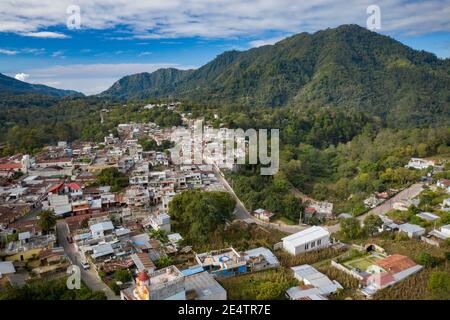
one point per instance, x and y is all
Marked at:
(419, 164)
(442, 234)
(322, 285)
(306, 240)
(99, 230)
(412, 230)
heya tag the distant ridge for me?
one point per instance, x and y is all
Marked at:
(14, 87)
(348, 67)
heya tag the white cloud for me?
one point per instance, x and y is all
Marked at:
(220, 18)
(45, 34)
(22, 76)
(91, 78)
(58, 54)
(264, 42)
(8, 52)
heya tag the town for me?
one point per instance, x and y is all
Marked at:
(108, 208)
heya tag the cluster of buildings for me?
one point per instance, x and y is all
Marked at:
(376, 270)
(198, 282)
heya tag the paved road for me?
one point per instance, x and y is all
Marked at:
(406, 194)
(90, 277)
(242, 213)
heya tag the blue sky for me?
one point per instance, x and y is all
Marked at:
(123, 37)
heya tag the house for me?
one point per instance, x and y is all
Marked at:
(316, 283)
(159, 222)
(222, 263)
(420, 164)
(445, 204)
(164, 284)
(102, 251)
(412, 230)
(8, 169)
(323, 208)
(444, 184)
(312, 238)
(143, 262)
(388, 271)
(403, 205)
(372, 201)
(260, 258)
(100, 230)
(262, 214)
(59, 204)
(203, 286)
(428, 216)
(174, 238)
(442, 234)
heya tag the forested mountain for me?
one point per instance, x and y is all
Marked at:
(349, 67)
(10, 87)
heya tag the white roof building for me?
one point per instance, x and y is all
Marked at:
(412, 230)
(99, 229)
(309, 239)
(322, 285)
(428, 216)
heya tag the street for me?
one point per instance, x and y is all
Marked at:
(90, 277)
(406, 194)
(242, 213)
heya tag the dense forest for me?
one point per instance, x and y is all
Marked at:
(347, 68)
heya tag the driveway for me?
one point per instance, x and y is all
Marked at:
(90, 277)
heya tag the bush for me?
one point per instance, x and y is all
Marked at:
(427, 260)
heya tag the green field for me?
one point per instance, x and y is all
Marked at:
(361, 263)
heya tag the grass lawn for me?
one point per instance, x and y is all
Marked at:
(361, 263)
(285, 220)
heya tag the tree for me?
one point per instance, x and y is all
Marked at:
(427, 259)
(122, 275)
(148, 144)
(47, 220)
(292, 208)
(439, 285)
(371, 224)
(197, 214)
(112, 177)
(160, 235)
(163, 262)
(350, 228)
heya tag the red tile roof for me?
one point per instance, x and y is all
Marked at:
(55, 187)
(395, 263)
(10, 166)
(74, 186)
